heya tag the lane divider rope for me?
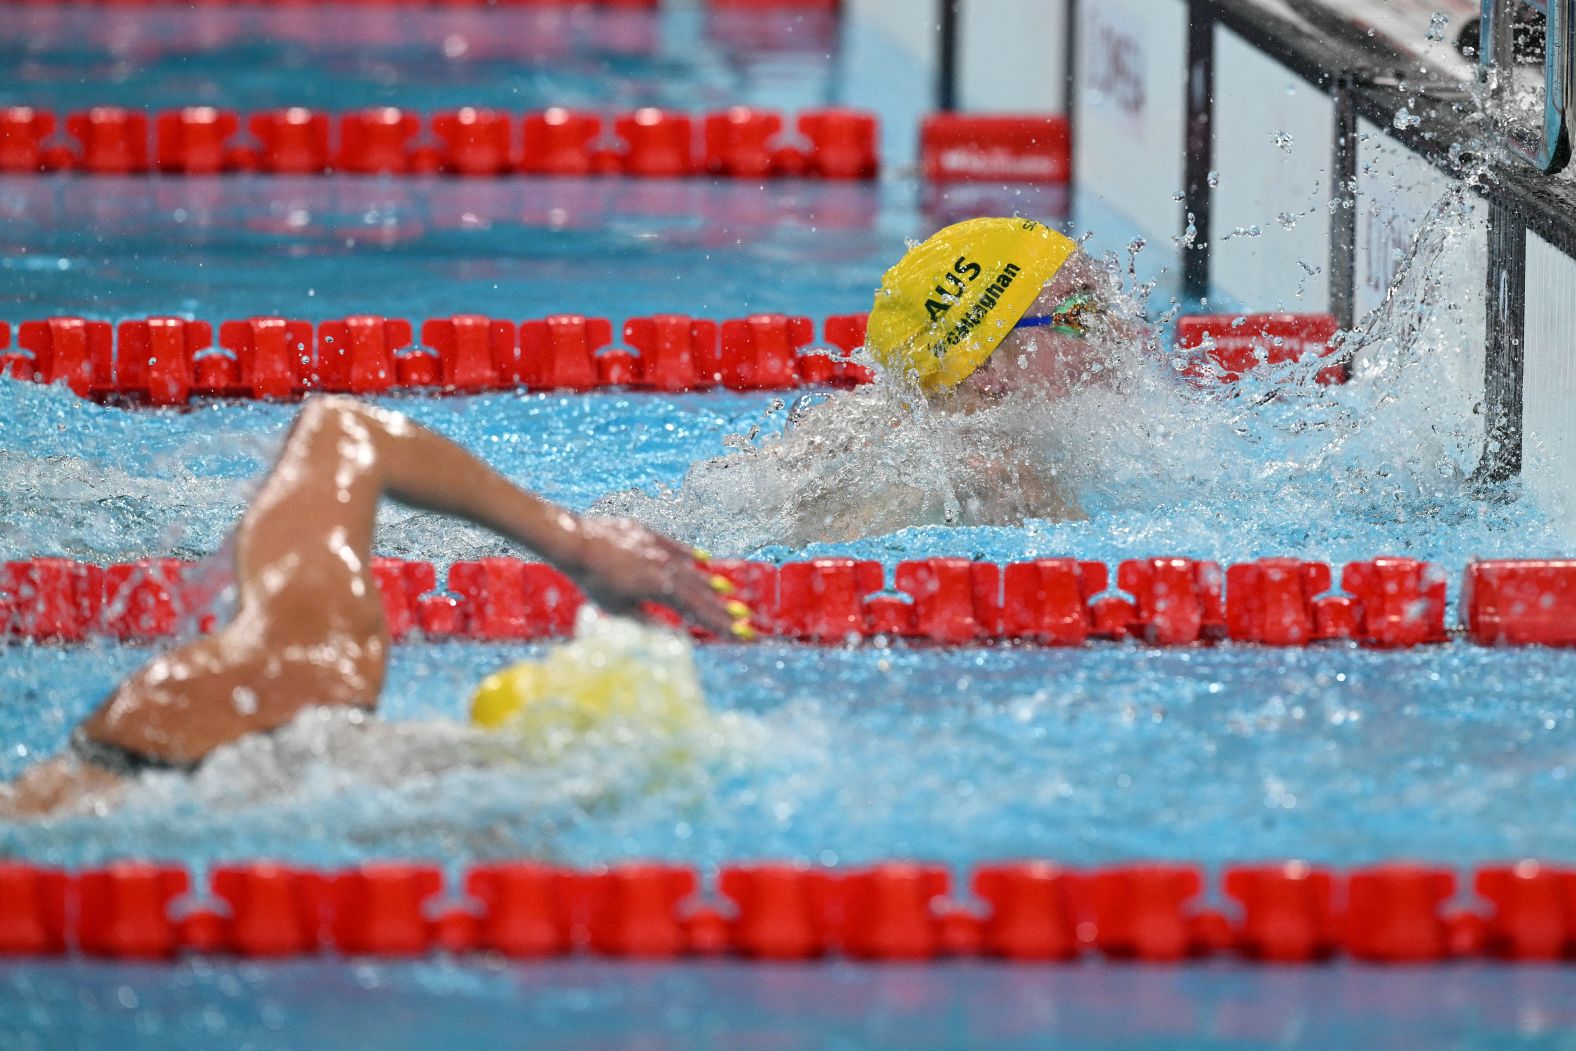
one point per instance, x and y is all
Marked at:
(162, 361)
(1385, 602)
(168, 360)
(1025, 911)
(740, 142)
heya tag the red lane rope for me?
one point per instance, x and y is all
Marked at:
(1387, 602)
(201, 140)
(1021, 911)
(169, 360)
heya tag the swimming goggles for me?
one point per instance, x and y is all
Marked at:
(1069, 318)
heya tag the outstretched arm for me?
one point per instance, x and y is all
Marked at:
(617, 562)
(310, 628)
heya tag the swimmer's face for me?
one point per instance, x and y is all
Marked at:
(1041, 359)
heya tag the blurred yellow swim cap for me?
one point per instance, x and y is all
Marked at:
(615, 678)
(947, 304)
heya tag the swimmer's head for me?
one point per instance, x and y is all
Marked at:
(948, 305)
(616, 680)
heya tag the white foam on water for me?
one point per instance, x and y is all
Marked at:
(1277, 459)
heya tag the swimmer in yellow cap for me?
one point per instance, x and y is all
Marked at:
(309, 627)
(985, 307)
(981, 326)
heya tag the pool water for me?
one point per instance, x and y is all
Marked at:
(834, 755)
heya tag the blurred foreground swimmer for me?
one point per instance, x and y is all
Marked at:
(309, 626)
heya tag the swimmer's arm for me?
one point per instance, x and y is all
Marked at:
(620, 564)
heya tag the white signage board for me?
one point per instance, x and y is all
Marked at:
(1130, 111)
(1012, 56)
(1549, 381)
(1270, 220)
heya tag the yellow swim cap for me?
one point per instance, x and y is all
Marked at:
(947, 304)
(614, 678)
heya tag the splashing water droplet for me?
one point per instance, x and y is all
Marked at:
(1213, 178)
(1283, 140)
(1437, 24)
(1288, 220)
(1405, 118)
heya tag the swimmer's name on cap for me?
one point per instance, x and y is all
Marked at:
(947, 305)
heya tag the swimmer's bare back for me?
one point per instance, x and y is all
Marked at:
(309, 627)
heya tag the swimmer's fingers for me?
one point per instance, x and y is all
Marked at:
(694, 597)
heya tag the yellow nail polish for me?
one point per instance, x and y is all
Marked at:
(743, 630)
(701, 554)
(722, 586)
(737, 609)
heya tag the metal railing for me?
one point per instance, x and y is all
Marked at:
(1548, 146)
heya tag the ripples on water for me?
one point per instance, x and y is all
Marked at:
(1108, 752)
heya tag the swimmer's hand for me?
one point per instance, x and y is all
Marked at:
(621, 564)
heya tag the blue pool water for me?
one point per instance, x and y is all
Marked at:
(840, 756)
(586, 1006)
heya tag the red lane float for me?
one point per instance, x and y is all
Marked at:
(1394, 913)
(273, 357)
(376, 141)
(738, 142)
(356, 355)
(154, 358)
(525, 909)
(123, 911)
(1534, 911)
(782, 911)
(889, 911)
(842, 143)
(1033, 910)
(677, 352)
(293, 141)
(474, 353)
(954, 601)
(168, 360)
(111, 140)
(67, 350)
(969, 147)
(23, 131)
(32, 910)
(143, 600)
(657, 143)
(273, 910)
(474, 142)
(1140, 912)
(632, 910)
(1275, 601)
(195, 140)
(561, 142)
(1178, 600)
(1520, 602)
(1225, 347)
(380, 909)
(1048, 601)
(1394, 602)
(560, 352)
(1400, 601)
(820, 600)
(741, 142)
(1288, 912)
(762, 352)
